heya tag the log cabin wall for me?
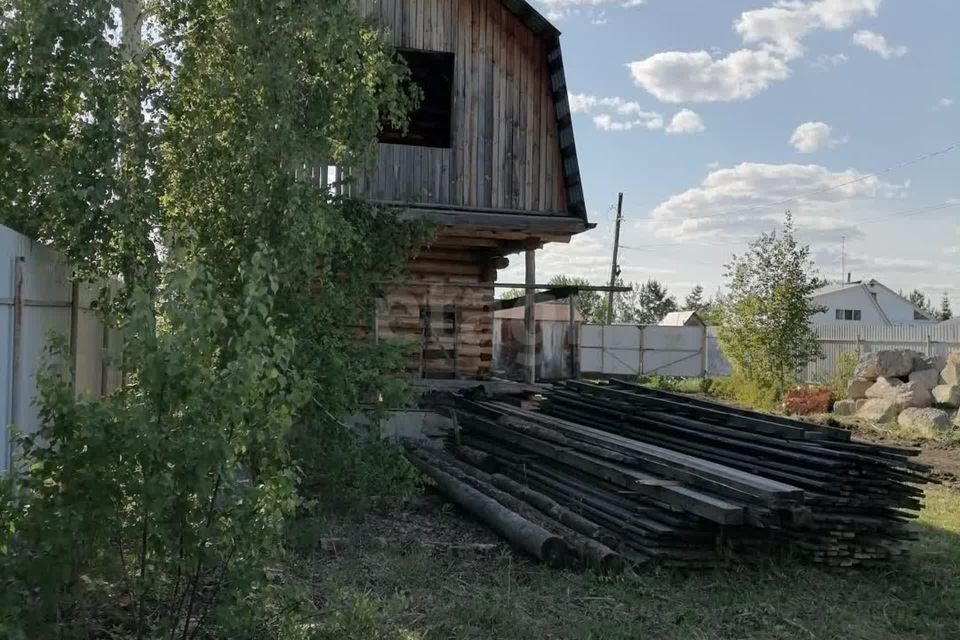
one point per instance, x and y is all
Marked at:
(449, 328)
(505, 150)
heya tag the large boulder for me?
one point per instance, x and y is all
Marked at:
(948, 394)
(845, 407)
(879, 410)
(884, 388)
(913, 395)
(926, 379)
(861, 402)
(928, 422)
(951, 371)
(857, 388)
(929, 362)
(886, 364)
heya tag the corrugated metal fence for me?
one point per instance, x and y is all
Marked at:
(38, 299)
(835, 340)
(627, 350)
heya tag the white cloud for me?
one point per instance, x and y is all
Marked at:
(588, 255)
(774, 35)
(865, 266)
(811, 137)
(676, 76)
(878, 44)
(738, 202)
(561, 9)
(825, 61)
(782, 26)
(606, 122)
(943, 103)
(614, 113)
(686, 121)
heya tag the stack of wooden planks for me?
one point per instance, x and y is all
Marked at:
(663, 478)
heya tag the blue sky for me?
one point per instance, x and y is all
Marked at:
(708, 114)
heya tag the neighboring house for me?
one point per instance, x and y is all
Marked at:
(866, 303)
(489, 157)
(682, 319)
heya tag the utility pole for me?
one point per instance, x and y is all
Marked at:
(843, 259)
(615, 268)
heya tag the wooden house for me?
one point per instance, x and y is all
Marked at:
(489, 157)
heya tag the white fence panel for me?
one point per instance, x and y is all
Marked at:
(695, 351)
(37, 301)
(630, 350)
(673, 351)
(930, 340)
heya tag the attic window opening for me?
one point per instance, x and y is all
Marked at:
(431, 124)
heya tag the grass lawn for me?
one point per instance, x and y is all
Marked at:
(397, 588)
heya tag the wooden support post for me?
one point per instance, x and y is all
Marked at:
(529, 320)
(573, 334)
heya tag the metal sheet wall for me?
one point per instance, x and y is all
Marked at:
(625, 350)
(36, 302)
(835, 340)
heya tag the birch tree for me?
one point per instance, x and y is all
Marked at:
(765, 316)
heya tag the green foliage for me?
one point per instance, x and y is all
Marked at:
(920, 301)
(765, 326)
(846, 367)
(176, 156)
(592, 305)
(744, 391)
(946, 312)
(694, 300)
(657, 381)
(344, 467)
(174, 490)
(647, 303)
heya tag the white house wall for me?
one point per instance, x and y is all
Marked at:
(853, 298)
(898, 310)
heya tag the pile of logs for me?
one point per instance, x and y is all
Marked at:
(615, 473)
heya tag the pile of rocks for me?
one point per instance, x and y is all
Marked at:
(906, 386)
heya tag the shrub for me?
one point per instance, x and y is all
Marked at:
(158, 507)
(342, 468)
(808, 400)
(846, 367)
(746, 392)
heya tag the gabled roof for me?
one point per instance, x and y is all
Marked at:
(869, 287)
(835, 287)
(561, 101)
(530, 17)
(681, 319)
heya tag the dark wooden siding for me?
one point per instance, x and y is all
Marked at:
(506, 149)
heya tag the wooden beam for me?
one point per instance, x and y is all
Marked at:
(545, 296)
(529, 318)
